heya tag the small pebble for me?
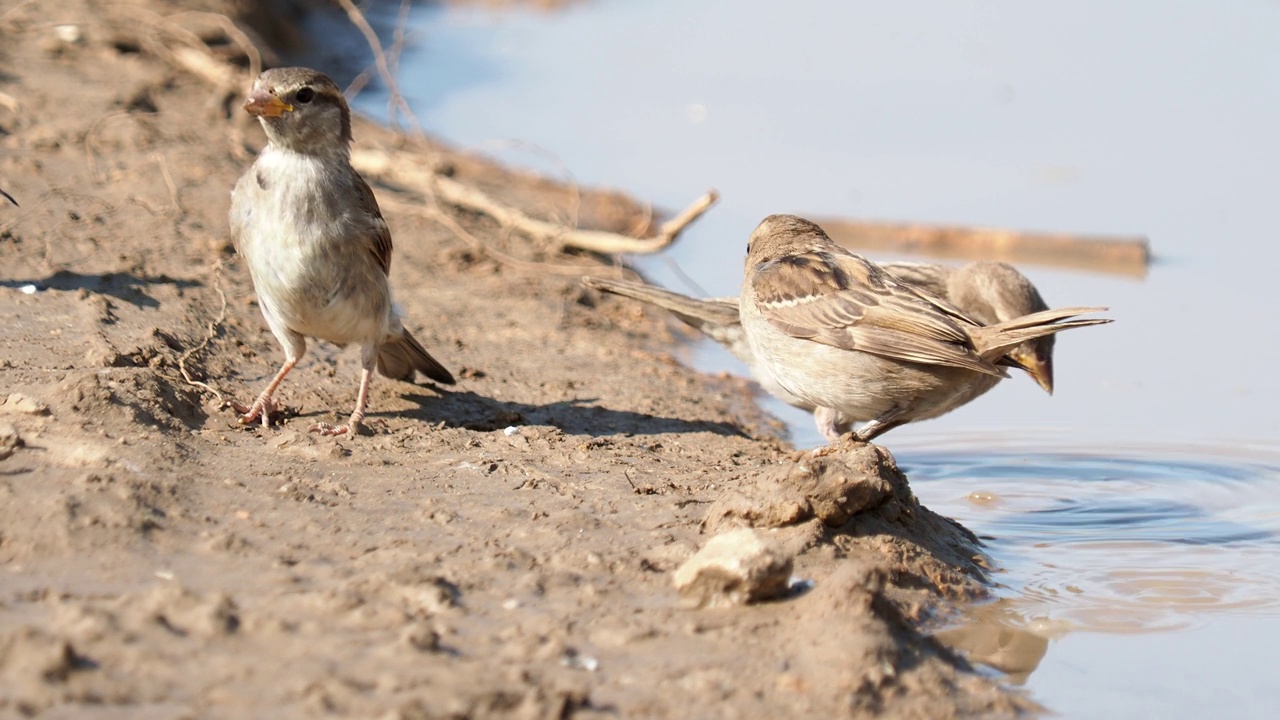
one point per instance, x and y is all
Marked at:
(69, 34)
(19, 403)
(734, 568)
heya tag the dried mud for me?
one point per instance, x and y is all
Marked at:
(504, 548)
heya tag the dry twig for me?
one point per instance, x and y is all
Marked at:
(160, 160)
(203, 64)
(233, 31)
(396, 102)
(381, 163)
(184, 49)
(208, 337)
(435, 213)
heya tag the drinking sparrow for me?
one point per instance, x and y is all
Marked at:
(989, 292)
(859, 344)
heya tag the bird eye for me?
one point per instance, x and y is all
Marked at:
(305, 95)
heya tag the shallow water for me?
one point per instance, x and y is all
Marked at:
(1132, 516)
(1134, 583)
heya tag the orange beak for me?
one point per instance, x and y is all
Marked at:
(265, 104)
(1039, 368)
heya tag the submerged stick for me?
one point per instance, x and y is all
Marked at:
(1124, 255)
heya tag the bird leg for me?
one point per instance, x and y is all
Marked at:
(881, 425)
(357, 416)
(264, 405)
(828, 422)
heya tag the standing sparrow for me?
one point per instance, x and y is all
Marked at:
(989, 292)
(838, 332)
(315, 242)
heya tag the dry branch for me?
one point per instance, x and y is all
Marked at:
(396, 101)
(446, 190)
(1115, 254)
(166, 38)
(210, 333)
(207, 67)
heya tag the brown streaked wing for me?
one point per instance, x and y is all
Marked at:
(931, 278)
(790, 286)
(902, 308)
(939, 302)
(379, 233)
(844, 301)
(903, 345)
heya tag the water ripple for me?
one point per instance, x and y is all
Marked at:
(1139, 540)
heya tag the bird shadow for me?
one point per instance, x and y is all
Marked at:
(126, 287)
(575, 416)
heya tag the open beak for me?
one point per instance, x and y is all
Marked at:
(265, 104)
(1039, 368)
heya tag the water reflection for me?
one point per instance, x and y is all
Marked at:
(998, 636)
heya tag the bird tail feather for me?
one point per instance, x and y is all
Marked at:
(692, 311)
(996, 340)
(401, 356)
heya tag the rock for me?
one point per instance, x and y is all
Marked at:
(734, 568)
(10, 440)
(19, 403)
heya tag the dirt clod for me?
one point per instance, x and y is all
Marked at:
(829, 486)
(10, 440)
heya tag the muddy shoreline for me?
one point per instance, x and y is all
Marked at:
(504, 548)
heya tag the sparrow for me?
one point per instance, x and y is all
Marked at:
(314, 240)
(989, 292)
(840, 333)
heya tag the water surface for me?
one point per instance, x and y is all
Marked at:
(1134, 583)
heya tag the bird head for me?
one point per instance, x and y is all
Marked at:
(994, 292)
(302, 110)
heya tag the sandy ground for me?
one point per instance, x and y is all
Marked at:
(159, 561)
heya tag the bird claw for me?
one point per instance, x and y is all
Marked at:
(823, 451)
(322, 428)
(848, 440)
(261, 408)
